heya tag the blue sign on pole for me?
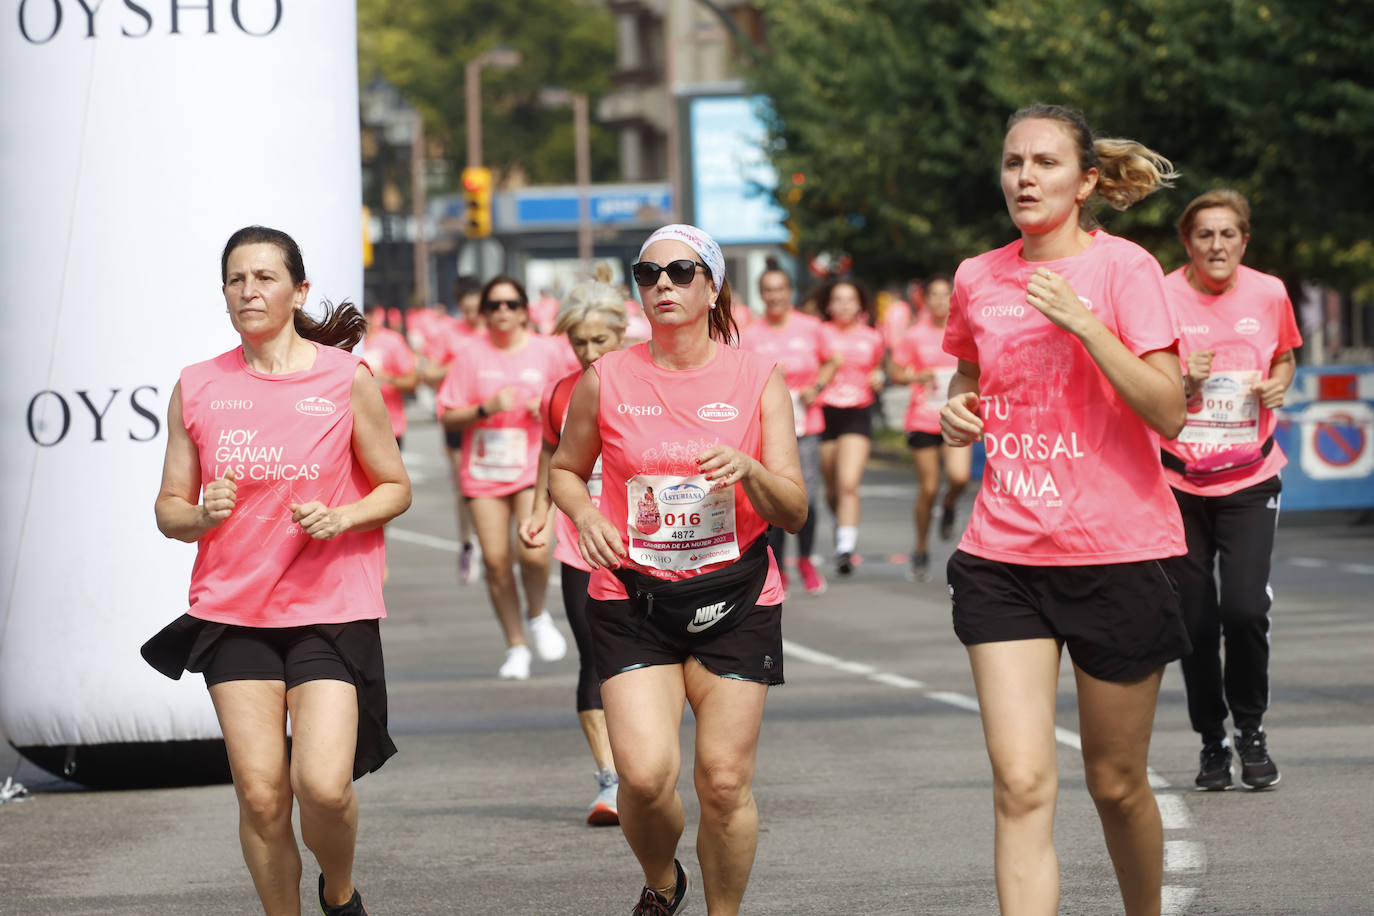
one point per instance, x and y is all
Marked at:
(732, 180)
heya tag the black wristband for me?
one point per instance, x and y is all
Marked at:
(481, 411)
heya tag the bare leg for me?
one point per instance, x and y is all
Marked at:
(850, 460)
(1115, 721)
(958, 469)
(252, 715)
(1016, 689)
(729, 714)
(927, 461)
(492, 516)
(644, 717)
(829, 454)
(534, 561)
(324, 731)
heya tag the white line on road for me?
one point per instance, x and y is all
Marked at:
(1182, 857)
(424, 540)
(1359, 569)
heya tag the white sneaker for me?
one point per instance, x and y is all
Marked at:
(548, 642)
(602, 812)
(517, 664)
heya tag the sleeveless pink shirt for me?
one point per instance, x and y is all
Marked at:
(654, 423)
(289, 440)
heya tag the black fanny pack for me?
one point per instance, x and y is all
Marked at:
(700, 607)
(1219, 467)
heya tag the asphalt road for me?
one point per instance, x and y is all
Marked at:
(873, 785)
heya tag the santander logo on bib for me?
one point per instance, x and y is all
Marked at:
(1247, 326)
(718, 412)
(315, 407)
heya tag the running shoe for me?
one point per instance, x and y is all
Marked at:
(652, 903)
(517, 664)
(1257, 769)
(549, 644)
(947, 516)
(465, 565)
(919, 568)
(602, 812)
(354, 906)
(812, 580)
(844, 564)
(1214, 767)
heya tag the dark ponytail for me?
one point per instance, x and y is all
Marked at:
(721, 325)
(342, 326)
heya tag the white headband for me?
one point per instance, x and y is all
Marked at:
(698, 241)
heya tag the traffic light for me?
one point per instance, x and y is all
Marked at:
(477, 198)
(368, 254)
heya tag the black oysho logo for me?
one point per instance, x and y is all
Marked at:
(41, 21)
(52, 415)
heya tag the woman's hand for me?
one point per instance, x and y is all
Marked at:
(218, 500)
(1270, 392)
(318, 520)
(959, 420)
(502, 400)
(532, 408)
(532, 526)
(598, 541)
(725, 466)
(1200, 369)
(1051, 295)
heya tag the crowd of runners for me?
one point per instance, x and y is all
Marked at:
(662, 443)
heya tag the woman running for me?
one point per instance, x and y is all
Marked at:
(691, 612)
(1068, 371)
(284, 491)
(492, 394)
(793, 341)
(849, 389)
(1238, 337)
(919, 360)
(593, 318)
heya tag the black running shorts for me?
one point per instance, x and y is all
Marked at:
(1120, 621)
(915, 439)
(291, 654)
(624, 641)
(842, 421)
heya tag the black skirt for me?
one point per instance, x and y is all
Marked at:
(187, 643)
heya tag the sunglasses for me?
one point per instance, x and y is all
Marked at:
(681, 272)
(494, 305)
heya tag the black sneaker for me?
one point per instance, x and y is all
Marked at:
(652, 903)
(354, 906)
(1214, 772)
(947, 516)
(1257, 770)
(844, 564)
(919, 570)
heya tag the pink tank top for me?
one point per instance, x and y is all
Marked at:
(289, 440)
(654, 423)
(555, 412)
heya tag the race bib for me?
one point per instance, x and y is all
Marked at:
(1225, 411)
(937, 391)
(677, 524)
(498, 454)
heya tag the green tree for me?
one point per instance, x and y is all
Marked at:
(893, 109)
(422, 46)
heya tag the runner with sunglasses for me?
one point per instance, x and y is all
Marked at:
(692, 612)
(493, 395)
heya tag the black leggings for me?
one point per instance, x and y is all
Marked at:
(806, 538)
(575, 585)
(1223, 583)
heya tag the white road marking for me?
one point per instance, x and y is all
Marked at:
(1181, 857)
(1359, 569)
(424, 540)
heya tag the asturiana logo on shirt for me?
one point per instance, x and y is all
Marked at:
(1247, 326)
(315, 407)
(718, 412)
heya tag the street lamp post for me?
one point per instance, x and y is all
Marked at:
(582, 142)
(502, 58)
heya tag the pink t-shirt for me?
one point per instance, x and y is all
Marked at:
(555, 414)
(543, 315)
(501, 452)
(289, 440)
(896, 319)
(387, 353)
(920, 349)
(1073, 475)
(861, 349)
(450, 336)
(796, 346)
(1247, 326)
(654, 423)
